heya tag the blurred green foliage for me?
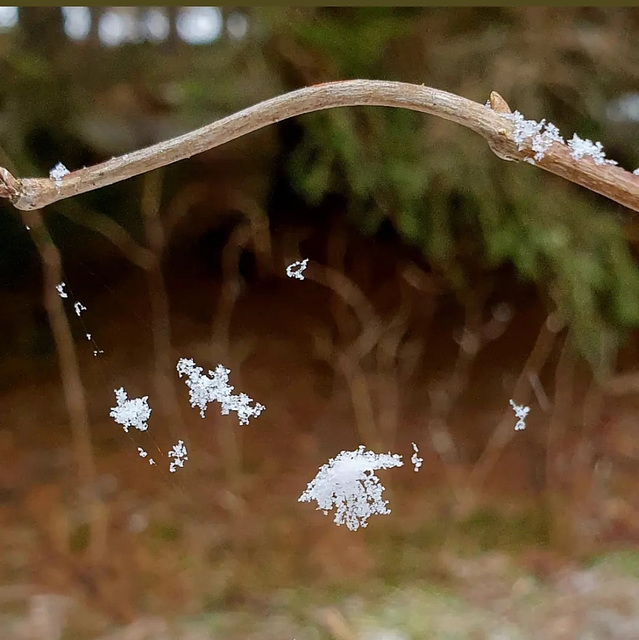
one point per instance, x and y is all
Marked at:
(445, 192)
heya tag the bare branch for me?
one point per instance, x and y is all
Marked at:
(613, 182)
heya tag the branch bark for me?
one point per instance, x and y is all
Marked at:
(608, 180)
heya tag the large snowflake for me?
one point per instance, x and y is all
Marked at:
(348, 483)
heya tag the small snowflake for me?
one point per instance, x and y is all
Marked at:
(348, 484)
(57, 173)
(60, 289)
(415, 459)
(520, 412)
(296, 270)
(180, 454)
(131, 413)
(78, 307)
(580, 148)
(143, 454)
(215, 388)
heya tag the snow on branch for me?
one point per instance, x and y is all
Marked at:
(486, 120)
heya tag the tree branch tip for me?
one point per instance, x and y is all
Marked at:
(498, 104)
(9, 186)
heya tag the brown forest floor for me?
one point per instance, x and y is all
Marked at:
(209, 539)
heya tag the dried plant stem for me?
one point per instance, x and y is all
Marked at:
(72, 386)
(443, 396)
(109, 229)
(229, 437)
(583, 489)
(611, 181)
(349, 360)
(160, 311)
(387, 358)
(562, 531)
(504, 431)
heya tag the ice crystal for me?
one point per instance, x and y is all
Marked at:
(143, 454)
(520, 412)
(580, 148)
(543, 141)
(179, 455)
(348, 484)
(539, 135)
(205, 389)
(415, 459)
(296, 270)
(57, 173)
(131, 413)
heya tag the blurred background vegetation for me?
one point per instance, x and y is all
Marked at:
(83, 84)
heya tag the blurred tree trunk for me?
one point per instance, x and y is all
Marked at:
(93, 39)
(173, 39)
(42, 29)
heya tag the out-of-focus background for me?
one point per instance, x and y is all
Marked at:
(442, 283)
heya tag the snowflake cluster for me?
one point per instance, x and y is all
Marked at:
(580, 148)
(179, 455)
(542, 142)
(539, 135)
(60, 289)
(204, 389)
(348, 484)
(131, 413)
(57, 173)
(520, 412)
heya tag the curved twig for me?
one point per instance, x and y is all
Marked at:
(111, 230)
(611, 181)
